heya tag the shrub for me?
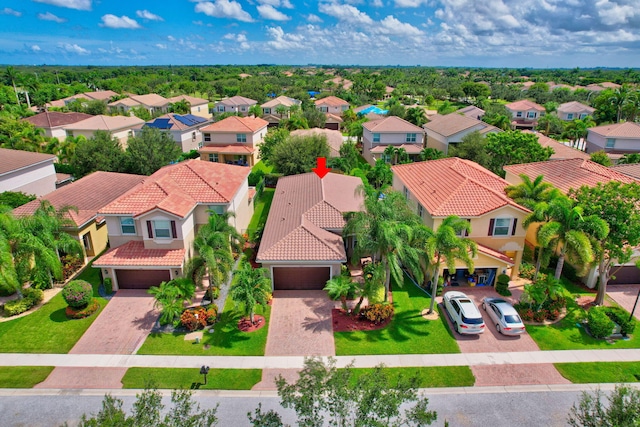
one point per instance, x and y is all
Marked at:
(108, 286)
(528, 253)
(600, 326)
(6, 289)
(271, 179)
(527, 270)
(199, 317)
(81, 313)
(77, 293)
(377, 313)
(70, 264)
(255, 177)
(570, 272)
(621, 317)
(213, 292)
(212, 314)
(30, 298)
(34, 295)
(540, 315)
(503, 278)
(377, 294)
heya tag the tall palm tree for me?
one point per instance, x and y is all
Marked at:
(11, 75)
(252, 286)
(255, 110)
(529, 193)
(448, 244)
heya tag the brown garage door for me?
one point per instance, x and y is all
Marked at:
(300, 278)
(625, 276)
(141, 279)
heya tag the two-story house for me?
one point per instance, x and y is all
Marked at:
(152, 102)
(332, 105)
(100, 95)
(377, 135)
(31, 173)
(618, 138)
(525, 114)
(184, 129)
(198, 106)
(452, 186)
(152, 227)
(236, 105)
(277, 109)
(443, 131)
(120, 127)
(53, 122)
(233, 140)
(574, 110)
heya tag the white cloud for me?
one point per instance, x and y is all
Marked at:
(35, 48)
(74, 48)
(197, 23)
(145, 14)
(313, 18)
(377, 3)
(345, 12)
(277, 3)
(71, 4)
(411, 3)
(112, 21)
(223, 9)
(614, 13)
(392, 26)
(281, 41)
(51, 17)
(269, 12)
(9, 11)
(161, 46)
(171, 38)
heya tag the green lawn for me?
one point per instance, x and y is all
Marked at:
(175, 378)
(226, 340)
(23, 376)
(48, 330)
(600, 372)
(431, 376)
(261, 209)
(408, 332)
(261, 166)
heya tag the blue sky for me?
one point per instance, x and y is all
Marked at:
(487, 33)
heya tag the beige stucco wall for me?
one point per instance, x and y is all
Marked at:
(38, 179)
(434, 142)
(201, 110)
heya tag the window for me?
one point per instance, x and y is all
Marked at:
(193, 136)
(162, 229)
(241, 137)
(127, 226)
(583, 115)
(243, 108)
(324, 109)
(519, 114)
(611, 142)
(216, 209)
(86, 242)
(569, 116)
(198, 109)
(386, 158)
(411, 137)
(266, 110)
(213, 157)
(420, 210)
(207, 137)
(221, 108)
(463, 233)
(405, 191)
(502, 227)
(531, 115)
(200, 145)
(69, 133)
(376, 137)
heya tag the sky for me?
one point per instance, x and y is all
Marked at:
(471, 33)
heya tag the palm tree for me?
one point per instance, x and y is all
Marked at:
(11, 75)
(416, 115)
(431, 154)
(374, 275)
(529, 193)
(448, 244)
(170, 298)
(9, 282)
(630, 158)
(281, 110)
(252, 286)
(618, 99)
(255, 110)
(338, 288)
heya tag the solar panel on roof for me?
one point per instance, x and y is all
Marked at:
(160, 124)
(190, 119)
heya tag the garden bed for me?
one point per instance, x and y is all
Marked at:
(342, 322)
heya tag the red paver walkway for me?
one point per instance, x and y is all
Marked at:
(625, 296)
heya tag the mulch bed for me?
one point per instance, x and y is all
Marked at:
(245, 324)
(588, 301)
(342, 322)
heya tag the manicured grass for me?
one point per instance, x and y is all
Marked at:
(408, 332)
(23, 376)
(227, 339)
(48, 330)
(600, 372)
(432, 376)
(261, 209)
(175, 378)
(262, 166)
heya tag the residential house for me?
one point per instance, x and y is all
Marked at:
(233, 140)
(618, 138)
(333, 122)
(184, 129)
(53, 122)
(572, 174)
(632, 170)
(574, 110)
(88, 195)
(235, 104)
(154, 103)
(332, 105)
(452, 186)
(101, 95)
(199, 106)
(302, 244)
(152, 227)
(277, 109)
(377, 135)
(560, 151)
(120, 127)
(525, 114)
(31, 173)
(442, 131)
(472, 112)
(334, 138)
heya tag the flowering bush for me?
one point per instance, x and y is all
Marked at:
(70, 264)
(81, 313)
(199, 317)
(77, 293)
(377, 313)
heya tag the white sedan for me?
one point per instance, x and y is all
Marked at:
(504, 316)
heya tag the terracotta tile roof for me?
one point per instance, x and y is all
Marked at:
(495, 254)
(451, 124)
(454, 186)
(575, 107)
(632, 170)
(391, 124)
(238, 100)
(304, 208)
(133, 254)
(109, 123)
(12, 160)
(334, 138)
(569, 173)
(618, 130)
(151, 99)
(192, 100)
(53, 119)
(561, 151)
(524, 105)
(89, 194)
(471, 111)
(101, 95)
(410, 148)
(332, 118)
(233, 124)
(128, 102)
(178, 188)
(332, 101)
(281, 100)
(227, 149)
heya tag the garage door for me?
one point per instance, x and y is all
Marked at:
(300, 278)
(626, 276)
(141, 279)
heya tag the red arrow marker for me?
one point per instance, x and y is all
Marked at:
(322, 169)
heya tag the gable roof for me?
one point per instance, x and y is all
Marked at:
(237, 124)
(454, 186)
(632, 169)
(102, 122)
(575, 107)
(569, 173)
(88, 195)
(304, 208)
(192, 100)
(334, 138)
(134, 254)
(471, 111)
(178, 188)
(150, 99)
(13, 160)
(620, 130)
(172, 121)
(453, 123)
(238, 100)
(391, 124)
(332, 101)
(560, 151)
(281, 100)
(53, 119)
(524, 105)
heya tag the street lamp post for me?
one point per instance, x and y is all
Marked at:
(204, 370)
(634, 306)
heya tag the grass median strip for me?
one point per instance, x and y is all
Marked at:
(432, 376)
(600, 372)
(23, 376)
(175, 378)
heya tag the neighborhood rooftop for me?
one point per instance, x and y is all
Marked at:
(12, 160)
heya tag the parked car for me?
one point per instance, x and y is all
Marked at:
(463, 312)
(504, 316)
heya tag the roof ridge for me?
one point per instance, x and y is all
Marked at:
(305, 225)
(188, 165)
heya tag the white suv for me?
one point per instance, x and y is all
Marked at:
(463, 312)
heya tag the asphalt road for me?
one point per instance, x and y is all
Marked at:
(548, 408)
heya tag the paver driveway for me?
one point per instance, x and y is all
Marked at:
(625, 296)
